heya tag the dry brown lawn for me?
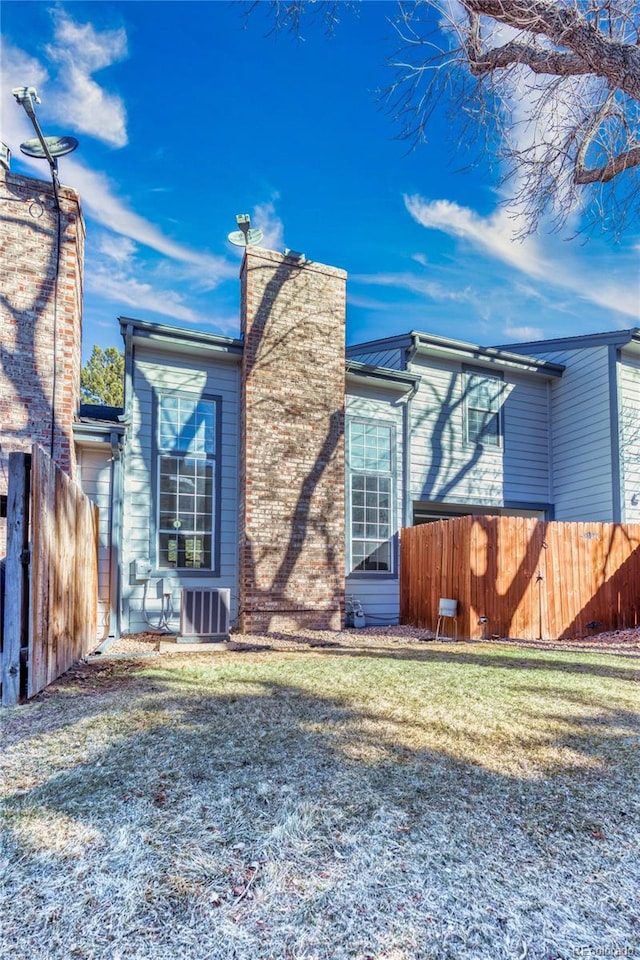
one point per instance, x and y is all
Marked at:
(386, 802)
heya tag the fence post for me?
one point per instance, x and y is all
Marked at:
(16, 575)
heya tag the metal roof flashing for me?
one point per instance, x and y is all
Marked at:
(415, 343)
(618, 338)
(383, 376)
(177, 339)
(497, 357)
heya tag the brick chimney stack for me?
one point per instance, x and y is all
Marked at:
(292, 444)
(41, 263)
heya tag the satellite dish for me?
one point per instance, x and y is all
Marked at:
(57, 146)
(245, 236)
(250, 238)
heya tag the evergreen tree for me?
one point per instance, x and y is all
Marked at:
(102, 378)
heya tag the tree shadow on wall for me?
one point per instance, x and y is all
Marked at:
(39, 403)
(269, 567)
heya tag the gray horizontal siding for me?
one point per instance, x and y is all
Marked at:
(379, 596)
(156, 372)
(380, 599)
(95, 480)
(629, 412)
(581, 436)
(445, 468)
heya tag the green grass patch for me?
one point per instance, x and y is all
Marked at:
(463, 801)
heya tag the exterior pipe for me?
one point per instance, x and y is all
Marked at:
(406, 438)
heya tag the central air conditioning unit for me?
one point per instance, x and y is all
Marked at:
(204, 613)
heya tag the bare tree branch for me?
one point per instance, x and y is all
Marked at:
(567, 25)
(551, 90)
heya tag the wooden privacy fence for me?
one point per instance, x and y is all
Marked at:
(51, 575)
(521, 577)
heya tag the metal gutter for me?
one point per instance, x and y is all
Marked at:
(494, 356)
(95, 431)
(396, 378)
(416, 342)
(143, 330)
(614, 422)
(618, 338)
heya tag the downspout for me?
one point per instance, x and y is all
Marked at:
(115, 536)
(551, 466)
(407, 506)
(614, 420)
(128, 371)
(127, 418)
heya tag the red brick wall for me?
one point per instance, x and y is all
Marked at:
(292, 446)
(40, 333)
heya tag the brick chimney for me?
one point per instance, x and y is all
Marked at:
(292, 444)
(40, 318)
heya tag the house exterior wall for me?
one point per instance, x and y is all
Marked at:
(40, 321)
(292, 443)
(584, 484)
(628, 378)
(159, 371)
(95, 478)
(447, 468)
(378, 593)
(390, 359)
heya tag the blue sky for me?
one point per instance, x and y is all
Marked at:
(187, 114)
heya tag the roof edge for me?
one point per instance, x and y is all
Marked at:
(395, 378)
(477, 353)
(608, 338)
(147, 330)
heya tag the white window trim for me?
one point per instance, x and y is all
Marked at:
(209, 457)
(390, 474)
(479, 373)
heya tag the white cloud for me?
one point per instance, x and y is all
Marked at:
(90, 49)
(19, 70)
(80, 50)
(127, 291)
(91, 110)
(120, 249)
(264, 216)
(72, 97)
(104, 206)
(416, 284)
(524, 333)
(493, 235)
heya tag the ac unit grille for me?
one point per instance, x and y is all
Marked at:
(204, 613)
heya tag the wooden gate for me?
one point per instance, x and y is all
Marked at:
(51, 575)
(521, 577)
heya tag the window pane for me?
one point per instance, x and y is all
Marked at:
(483, 427)
(185, 521)
(370, 447)
(186, 424)
(370, 556)
(483, 400)
(184, 551)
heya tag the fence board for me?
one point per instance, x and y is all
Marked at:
(16, 583)
(530, 579)
(64, 573)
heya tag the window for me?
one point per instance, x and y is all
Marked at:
(186, 482)
(483, 401)
(370, 463)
